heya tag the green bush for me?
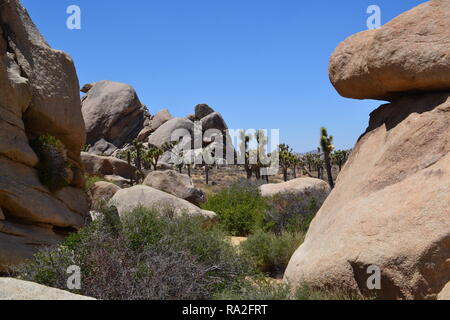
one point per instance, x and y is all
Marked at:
(271, 253)
(147, 255)
(264, 289)
(53, 164)
(91, 180)
(289, 212)
(240, 208)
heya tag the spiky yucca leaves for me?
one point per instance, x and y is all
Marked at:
(326, 144)
(53, 167)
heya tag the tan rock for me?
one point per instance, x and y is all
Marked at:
(177, 184)
(144, 134)
(103, 166)
(445, 293)
(171, 130)
(35, 99)
(112, 111)
(14, 289)
(24, 197)
(160, 118)
(102, 191)
(306, 189)
(127, 199)
(55, 106)
(409, 54)
(390, 207)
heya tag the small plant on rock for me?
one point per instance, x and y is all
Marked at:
(53, 165)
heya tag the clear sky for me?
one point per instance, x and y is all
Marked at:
(261, 63)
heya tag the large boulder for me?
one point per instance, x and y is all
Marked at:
(112, 111)
(409, 54)
(160, 118)
(15, 289)
(144, 196)
(171, 130)
(102, 191)
(102, 148)
(177, 184)
(214, 121)
(307, 189)
(445, 293)
(390, 207)
(202, 110)
(35, 100)
(103, 166)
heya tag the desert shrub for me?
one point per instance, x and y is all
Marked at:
(53, 164)
(259, 289)
(264, 289)
(289, 212)
(270, 253)
(240, 208)
(145, 256)
(91, 180)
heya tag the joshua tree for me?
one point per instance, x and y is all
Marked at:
(261, 155)
(154, 153)
(285, 159)
(340, 157)
(129, 163)
(326, 143)
(138, 146)
(245, 140)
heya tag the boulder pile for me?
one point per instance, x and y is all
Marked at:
(37, 103)
(391, 204)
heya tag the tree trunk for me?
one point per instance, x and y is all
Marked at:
(189, 170)
(285, 175)
(207, 174)
(329, 173)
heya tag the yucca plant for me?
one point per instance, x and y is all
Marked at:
(326, 144)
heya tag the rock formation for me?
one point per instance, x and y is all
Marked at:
(127, 199)
(14, 289)
(112, 111)
(177, 184)
(391, 204)
(408, 54)
(36, 101)
(307, 189)
(106, 166)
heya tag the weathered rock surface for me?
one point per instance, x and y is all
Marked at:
(102, 148)
(112, 111)
(390, 207)
(15, 289)
(104, 166)
(35, 100)
(172, 129)
(307, 189)
(214, 121)
(445, 293)
(160, 118)
(202, 110)
(127, 199)
(102, 191)
(409, 54)
(177, 184)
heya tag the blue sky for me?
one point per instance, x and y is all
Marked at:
(262, 64)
